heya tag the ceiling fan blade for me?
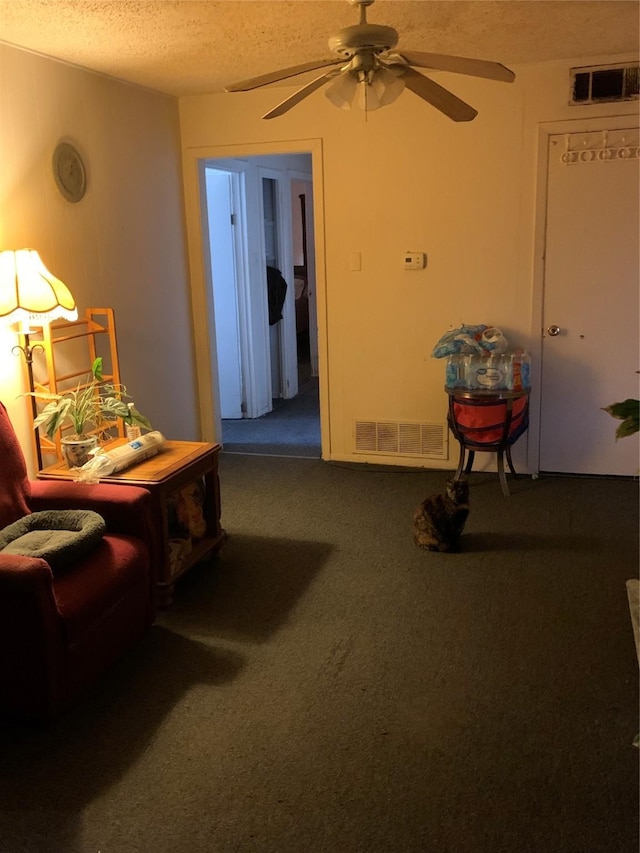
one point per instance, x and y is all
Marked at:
(283, 74)
(459, 65)
(438, 97)
(300, 94)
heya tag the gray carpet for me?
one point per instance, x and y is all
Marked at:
(291, 429)
(325, 686)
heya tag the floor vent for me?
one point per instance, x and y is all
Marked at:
(402, 439)
(601, 83)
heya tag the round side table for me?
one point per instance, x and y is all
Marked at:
(487, 420)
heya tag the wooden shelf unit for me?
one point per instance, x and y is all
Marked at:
(63, 353)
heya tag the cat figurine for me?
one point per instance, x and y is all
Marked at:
(439, 520)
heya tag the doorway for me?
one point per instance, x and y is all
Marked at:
(590, 300)
(258, 233)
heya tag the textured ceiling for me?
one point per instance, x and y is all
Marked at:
(187, 47)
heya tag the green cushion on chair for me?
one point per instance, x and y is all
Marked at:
(58, 536)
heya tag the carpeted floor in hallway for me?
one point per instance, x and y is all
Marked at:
(292, 428)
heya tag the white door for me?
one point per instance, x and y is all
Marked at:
(225, 292)
(590, 305)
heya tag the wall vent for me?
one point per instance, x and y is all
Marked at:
(402, 439)
(598, 84)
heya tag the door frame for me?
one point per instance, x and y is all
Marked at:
(546, 130)
(286, 329)
(306, 178)
(194, 159)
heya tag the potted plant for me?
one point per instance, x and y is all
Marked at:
(91, 408)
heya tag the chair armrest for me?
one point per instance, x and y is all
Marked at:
(127, 510)
(124, 508)
(19, 573)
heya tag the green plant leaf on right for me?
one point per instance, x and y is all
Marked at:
(627, 411)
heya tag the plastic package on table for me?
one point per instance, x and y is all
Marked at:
(106, 462)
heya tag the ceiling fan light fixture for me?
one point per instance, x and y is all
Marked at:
(366, 92)
(386, 86)
(343, 91)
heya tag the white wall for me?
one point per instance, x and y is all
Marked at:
(402, 179)
(123, 245)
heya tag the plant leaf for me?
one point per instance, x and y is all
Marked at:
(52, 416)
(626, 409)
(115, 408)
(137, 418)
(629, 426)
(96, 369)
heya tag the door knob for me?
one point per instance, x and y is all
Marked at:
(554, 330)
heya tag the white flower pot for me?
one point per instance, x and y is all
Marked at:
(76, 449)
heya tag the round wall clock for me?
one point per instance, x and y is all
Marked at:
(69, 172)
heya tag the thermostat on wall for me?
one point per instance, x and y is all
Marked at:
(414, 260)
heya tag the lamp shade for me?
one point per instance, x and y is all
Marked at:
(29, 292)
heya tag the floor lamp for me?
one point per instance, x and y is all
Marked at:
(29, 293)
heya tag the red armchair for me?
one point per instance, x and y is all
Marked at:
(59, 629)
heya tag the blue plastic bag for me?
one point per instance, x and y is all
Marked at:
(465, 341)
(470, 340)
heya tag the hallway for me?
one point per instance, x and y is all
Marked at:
(291, 429)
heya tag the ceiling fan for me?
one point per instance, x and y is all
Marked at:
(368, 73)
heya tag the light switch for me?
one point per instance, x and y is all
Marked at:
(355, 261)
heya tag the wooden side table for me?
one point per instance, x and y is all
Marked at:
(497, 434)
(177, 465)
